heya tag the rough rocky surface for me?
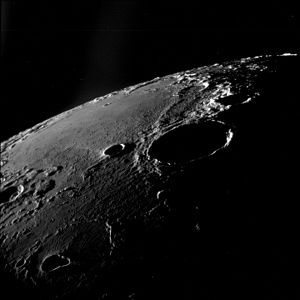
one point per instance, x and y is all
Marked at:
(180, 186)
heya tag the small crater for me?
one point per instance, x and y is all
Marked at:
(189, 142)
(20, 189)
(8, 194)
(161, 195)
(20, 263)
(54, 262)
(114, 150)
(233, 99)
(106, 104)
(118, 149)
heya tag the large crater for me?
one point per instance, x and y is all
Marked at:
(189, 142)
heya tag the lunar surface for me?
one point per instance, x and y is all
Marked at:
(184, 185)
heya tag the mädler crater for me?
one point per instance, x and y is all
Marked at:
(182, 186)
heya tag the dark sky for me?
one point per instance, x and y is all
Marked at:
(56, 56)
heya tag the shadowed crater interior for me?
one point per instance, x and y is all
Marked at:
(119, 149)
(189, 142)
(6, 195)
(233, 99)
(54, 262)
(114, 150)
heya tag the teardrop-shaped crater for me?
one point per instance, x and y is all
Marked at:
(54, 262)
(114, 149)
(190, 142)
(7, 194)
(118, 149)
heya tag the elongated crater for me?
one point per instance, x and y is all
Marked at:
(54, 262)
(189, 142)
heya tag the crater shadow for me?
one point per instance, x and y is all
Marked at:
(54, 262)
(7, 194)
(233, 99)
(189, 142)
(119, 149)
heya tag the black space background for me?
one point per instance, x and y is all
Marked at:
(58, 54)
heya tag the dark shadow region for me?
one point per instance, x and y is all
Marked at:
(119, 149)
(54, 262)
(189, 142)
(8, 194)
